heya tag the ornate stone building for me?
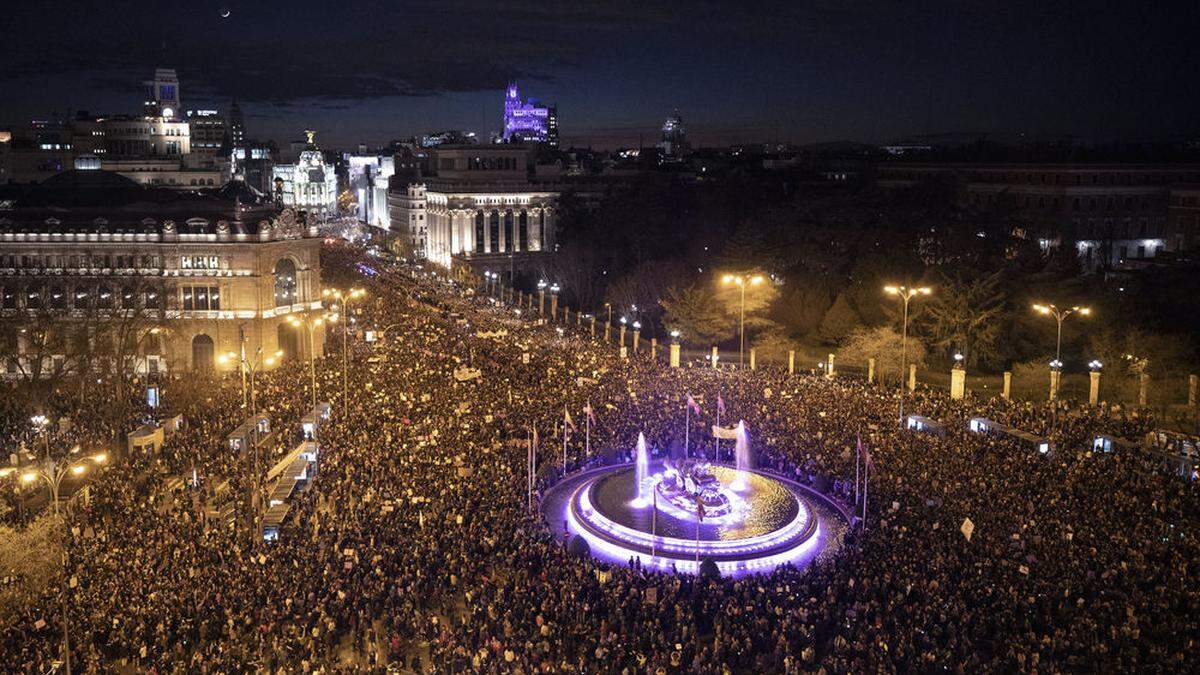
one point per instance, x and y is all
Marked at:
(480, 206)
(90, 257)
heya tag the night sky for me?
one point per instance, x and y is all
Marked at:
(866, 70)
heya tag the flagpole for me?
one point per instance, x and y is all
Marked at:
(687, 423)
(857, 452)
(866, 471)
(699, 517)
(528, 470)
(588, 433)
(564, 447)
(715, 437)
(654, 525)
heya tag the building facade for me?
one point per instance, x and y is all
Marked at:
(479, 206)
(310, 184)
(1116, 214)
(527, 120)
(181, 281)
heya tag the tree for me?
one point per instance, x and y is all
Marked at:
(31, 555)
(884, 345)
(695, 313)
(839, 321)
(967, 315)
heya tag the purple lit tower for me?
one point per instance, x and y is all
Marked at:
(526, 120)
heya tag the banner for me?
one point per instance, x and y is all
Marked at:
(729, 433)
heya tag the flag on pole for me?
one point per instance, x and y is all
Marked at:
(587, 410)
(567, 419)
(866, 455)
(699, 508)
(720, 405)
(691, 403)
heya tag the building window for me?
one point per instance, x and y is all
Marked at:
(201, 298)
(199, 262)
(285, 283)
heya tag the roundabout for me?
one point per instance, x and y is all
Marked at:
(675, 515)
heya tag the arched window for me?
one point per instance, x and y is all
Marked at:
(202, 353)
(285, 283)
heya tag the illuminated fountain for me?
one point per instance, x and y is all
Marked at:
(641, 474)
(741, 455)
(685, 511)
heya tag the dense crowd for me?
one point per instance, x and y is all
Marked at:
(413, 548)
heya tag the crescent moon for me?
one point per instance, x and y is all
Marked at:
(225, 13)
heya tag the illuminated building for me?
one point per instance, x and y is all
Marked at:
(477, 207)
(209, 132)
(162, 94)
(308, 185)
(367, 178)
(674, 144)
(526, 120)
(187, 276)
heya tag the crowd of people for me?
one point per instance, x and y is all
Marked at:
(413, 548)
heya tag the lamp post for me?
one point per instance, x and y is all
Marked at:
(905, 294)
(251, 366)
(637, 335)
(554, 289)
(541, 286)
(1060, 315)
(53, 474)
(742, 282)
(39, 423)
(346, 298)
(311, 323)
(608, 322)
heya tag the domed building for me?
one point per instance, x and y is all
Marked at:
(310, 184)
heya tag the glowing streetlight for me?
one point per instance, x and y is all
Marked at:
(742, 282)
(346, 297)
(1060, 314)
(905, 294)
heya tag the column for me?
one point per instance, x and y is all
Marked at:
(637, 337)
(621, 340)
(1007, 385)
(1094, 387)
(593, 326)
(912, 377)
(714, 356)
(870, 371)
(1054, 374)
(500, 215)
(554, 306)
(674, 354)
(753, 359)
(653, 348)
(830, 372)
(791, 362)
(958, 383)
(487, 231)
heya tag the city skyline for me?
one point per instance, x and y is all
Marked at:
(811, 73)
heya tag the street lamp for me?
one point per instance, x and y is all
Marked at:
(905, 294)
(311, 323)
(742, 282)
(40, 422)
(251, 366)
(1059, 315)
(1095, 365)
(53, 474)
(352, 294)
